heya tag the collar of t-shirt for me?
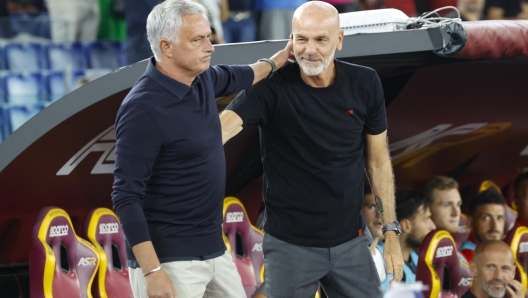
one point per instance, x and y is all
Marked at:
(175, 87)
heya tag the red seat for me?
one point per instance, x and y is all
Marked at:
(103, 229)
(245, 241)
(463, 231)
(517, 239)
(61, 264)
(440, 268)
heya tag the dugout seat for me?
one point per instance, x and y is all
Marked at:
(245, 241)
(103, 229)
(61, 264)
(440, 268)
(517, 239)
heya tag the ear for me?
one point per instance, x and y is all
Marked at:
(291, 36)
(406, 226)
(165, 47)
(340, 40)
(473, 268)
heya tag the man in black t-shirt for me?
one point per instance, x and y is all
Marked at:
(322, 122)
(493, 271)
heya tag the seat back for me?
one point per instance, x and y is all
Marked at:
(23, 88)
(440, 268)
(18, 115)
(62, 56)
(517, 239)
(103, 54)
(246, 244)
(103, 229)
(61, 264)
(23, 56)
(463, 231)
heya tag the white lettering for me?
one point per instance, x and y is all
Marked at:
(87, 261)
(465, 281)
(108, 228)
(234, 217)
(523, 247)
(104, 142)
(462, 229)
(56, 231)
(445, 251)
(257, 247)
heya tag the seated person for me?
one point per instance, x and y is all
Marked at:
(520, 193)
(493, 271)
(445, 202)
(486, 220)
(414, 216)
(373, 222)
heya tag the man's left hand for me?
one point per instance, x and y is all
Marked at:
(393, 256)
(515, 289)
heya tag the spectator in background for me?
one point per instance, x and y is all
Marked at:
(470, 10)
(520, 193)
(112, 24)
(372, 4)
(213, 10)
(276, 18)
(136, 44)
(486, 220)
(507, 9)
(445, 202)
(414, 215)
(373, 222)
(238, 22)
(344, 6)
(73, 20)
(493, 271)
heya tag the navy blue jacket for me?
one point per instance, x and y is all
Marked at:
(170, 164)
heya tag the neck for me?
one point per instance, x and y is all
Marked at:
(477, 291)
(470, 16)
(175, 73)
(405, 249)
(322, 80)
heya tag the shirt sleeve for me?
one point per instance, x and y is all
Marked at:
(376, 121)
(138, 141)
(228, 79)
(256, 104)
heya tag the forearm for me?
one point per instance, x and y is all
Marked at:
(146, 256)
(263, 69)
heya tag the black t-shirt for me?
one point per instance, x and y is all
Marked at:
(468, 294)
(312, 147)
(511, 7)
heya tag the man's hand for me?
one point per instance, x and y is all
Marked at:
(284, 56)
(393, 256)
(159, 285)
(515, 289)
(262, 69)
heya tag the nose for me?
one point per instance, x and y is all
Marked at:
(455, 211)
(209, 46)
(310, 48)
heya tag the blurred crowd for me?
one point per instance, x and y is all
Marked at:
(231, 20)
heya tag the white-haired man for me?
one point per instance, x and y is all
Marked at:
(322, 122)
(170, 165)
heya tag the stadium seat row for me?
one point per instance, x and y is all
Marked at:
(31, 56)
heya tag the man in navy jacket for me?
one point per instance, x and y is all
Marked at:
(170, 165)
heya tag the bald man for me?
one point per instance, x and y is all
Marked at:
(322, 123)
(493, 271)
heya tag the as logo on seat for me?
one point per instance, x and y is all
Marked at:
(234, 217)
(108, 228)
(465, 281)
(257, 247)
(87, 261)
(445, 251)
(56, 231)
(523, 247)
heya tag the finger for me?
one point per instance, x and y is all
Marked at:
(388, 263)
(510, 291)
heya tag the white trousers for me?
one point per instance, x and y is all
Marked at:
(215, 278)
(74, 20)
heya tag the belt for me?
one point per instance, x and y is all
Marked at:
(238, 16)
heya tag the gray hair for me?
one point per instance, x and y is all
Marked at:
(165, 21)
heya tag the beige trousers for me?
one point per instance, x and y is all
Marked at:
(215, 278)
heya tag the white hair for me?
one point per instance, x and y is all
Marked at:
(165, 21)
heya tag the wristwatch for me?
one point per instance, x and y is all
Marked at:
(393, 226)
(273, 66)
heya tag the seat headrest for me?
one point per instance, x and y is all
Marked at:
(59, 260)
(439, 266)
(517, 239)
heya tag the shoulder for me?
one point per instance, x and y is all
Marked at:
(355, 70)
